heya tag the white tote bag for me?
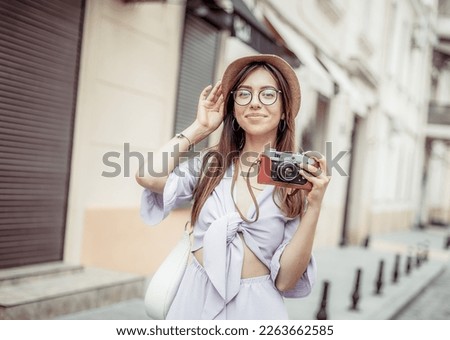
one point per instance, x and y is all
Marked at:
(165, 282)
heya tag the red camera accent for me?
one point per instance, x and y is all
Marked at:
(264, 171)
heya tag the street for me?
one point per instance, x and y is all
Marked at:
(432, 303)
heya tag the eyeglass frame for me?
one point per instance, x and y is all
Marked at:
(259, 94)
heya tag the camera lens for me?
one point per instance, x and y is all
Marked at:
(287, 171)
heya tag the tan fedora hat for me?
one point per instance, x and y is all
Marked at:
(231, 72)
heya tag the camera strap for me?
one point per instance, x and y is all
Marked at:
(250, 189)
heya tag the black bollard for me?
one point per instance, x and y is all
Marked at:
(379, 282)
(366, 242)
(395, 274)
(418, 258)
(322, 313)
(408, 264)
(426, 251)
(355, 295)
(447, 243)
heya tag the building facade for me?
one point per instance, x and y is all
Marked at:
(378, 55)
(140, 68)
(436, 174)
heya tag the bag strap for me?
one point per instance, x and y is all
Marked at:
(189, 229)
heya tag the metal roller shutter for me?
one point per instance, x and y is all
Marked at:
(200, 43)
(39, 53)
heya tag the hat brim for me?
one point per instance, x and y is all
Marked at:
(231, 72)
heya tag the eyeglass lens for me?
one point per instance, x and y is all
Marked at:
(244, 97)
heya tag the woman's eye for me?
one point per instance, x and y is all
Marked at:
(268, 94)
(243, 94)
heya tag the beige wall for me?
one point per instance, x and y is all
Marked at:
(117, 239)
(127, 85)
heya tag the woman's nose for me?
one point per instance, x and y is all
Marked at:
(255, 101)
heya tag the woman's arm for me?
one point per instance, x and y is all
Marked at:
(164, 160)
(297, 254)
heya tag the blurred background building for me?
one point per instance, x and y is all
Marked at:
(86, 87)
(436, 190)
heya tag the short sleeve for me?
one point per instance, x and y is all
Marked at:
(305, 283)
(178, 190)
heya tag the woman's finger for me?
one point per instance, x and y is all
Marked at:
(220, 101)
(309, 177)
(320, 160)
(311, 169)
(221, 107)
(323, 165)
(216, 90)
(205, 92)
(315, 181)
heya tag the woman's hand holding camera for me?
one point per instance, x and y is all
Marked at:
(317, 175)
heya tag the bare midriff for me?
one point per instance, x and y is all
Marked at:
(252, 266)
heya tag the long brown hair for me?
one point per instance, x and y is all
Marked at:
(221, 156)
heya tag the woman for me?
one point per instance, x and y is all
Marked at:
(250, 247)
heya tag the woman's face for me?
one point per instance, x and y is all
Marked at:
(255, 118)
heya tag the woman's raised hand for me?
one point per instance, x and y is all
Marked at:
(211, 107)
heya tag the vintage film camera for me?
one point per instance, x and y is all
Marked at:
(282, 169)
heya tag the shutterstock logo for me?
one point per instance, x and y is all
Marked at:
(119, 164)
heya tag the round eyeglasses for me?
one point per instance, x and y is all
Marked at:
(266, 97)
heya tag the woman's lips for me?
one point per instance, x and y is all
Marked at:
(255, 115)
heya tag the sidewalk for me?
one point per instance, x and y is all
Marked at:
(338, 266)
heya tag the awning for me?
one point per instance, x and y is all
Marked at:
(251, 31)
(314, 73)
(240, 21)
(357, 101)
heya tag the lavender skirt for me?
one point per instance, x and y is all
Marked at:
(258, 299)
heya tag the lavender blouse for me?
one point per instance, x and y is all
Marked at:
(216, 231)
